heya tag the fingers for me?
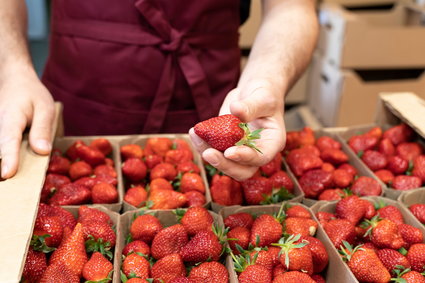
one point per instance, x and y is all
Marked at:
(200, 144)
(41, 127)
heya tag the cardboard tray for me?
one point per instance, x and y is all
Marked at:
(336, 272)
(141, 140)
(166, 217)
(65, 142)
(330, 207)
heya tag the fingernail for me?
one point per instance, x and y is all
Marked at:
(4, 171)
(43, 145)
(213, 160)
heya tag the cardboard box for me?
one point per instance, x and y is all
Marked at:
(299, 117)
(371, 39)
(413, 197)
(141, 140)
(336, 272)
(166, 217)
(343, 98)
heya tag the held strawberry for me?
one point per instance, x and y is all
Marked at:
(226, 131)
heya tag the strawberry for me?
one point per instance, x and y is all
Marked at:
(203, 246)
(35, 264)
(175, 280)
(66, 217)
(168, 241)
(361, 143)
(416, 257)
(340, 230)
(50, 225)
(137, 265)
(97, 268)
(266, 229)
(370, 210)
(241, 219)
(255, 274)
(292, 138)
(386, 147)
(365, 265)
(301, 161)
(413, 277)
(134, 169)
(419, 168)
(87, 214)
(301, 226)
(103, 145)
(90, 155)
(72, 252)
(71, 152)
(298, 211)
(226, 191)
(397, 165)
(348, 167)
(318, 253)
(351, 208)
(160, 184)
(195, 219)
(131, 151)
(375, 132)
(306, 137)
(391, 259)
(176, 156)
(273, 166)
(411, 235)
(326, 142)
(59, 273)
(342, 178)
(192, 182)
(328, 167)
(296, 256)
(168, 268)
(334, 156)
(164, 170)
(366, 186)
(105, 169)
(158, 146)
(385, 234)
(58, 165)
(404, 183)
(241, 236)
(109, 162)
(374, 160)
(195, 199)
(99, 230)
(390, 212)
(399, 134)
(331, 194)
(180, 143)
(104, 193)
(167, 199)
(213, 272)
(136, 196)
(152, 160)
(409, 150)
(262, 257)
(314, 182)
(71, 194)
(226, 131)
(385, 176)
(137, 246)
(80, 169)
(188, 166)
(51, 184)
(418, 211)
(145, 227)
(281, 179)
(256, 189)
(293, 277)
(278, 270)
(324, 217)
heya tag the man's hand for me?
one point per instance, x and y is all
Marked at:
(259, 104)
(23, 101)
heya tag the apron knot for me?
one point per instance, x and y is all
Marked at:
(174, 43)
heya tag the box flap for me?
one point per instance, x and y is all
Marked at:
(408, 107)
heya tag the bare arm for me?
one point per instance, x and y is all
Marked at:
(281, 51)
(23, 99)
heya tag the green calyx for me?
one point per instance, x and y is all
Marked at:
(289, 244)
(38, 243)
(347, 251)
(249, 137)
(372, 223)
(278, 196)
(99, 245)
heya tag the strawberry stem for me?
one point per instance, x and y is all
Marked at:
(249, 137)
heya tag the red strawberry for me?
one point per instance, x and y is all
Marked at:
(213, 272)
(168, 268)
(314, 182)
(340, 230)
(131, 151)
(409, 150)
(404, 183)
(318, 253)
(168, 241)
(192, 182)
(58, 165)
(167, 199)
(419, 167)
(375, 132)
(418, 210)
(160, 184)
(361, 143)
(281, 179)
(334, 156)
(136, 247)
(301, 161)
(328, 167)
(386, 147)
(145, 227)
(385, 176)
(99, 230)
(176, 156)
(109, 162)
(351, 208)
(164, 170)
(348, 167)
(180, 143)
(51, 184)
(298, 211)
(136, 196)
(291, 140)
(87, 214)
(273, 166)
(80, 169)
(280, 269)
(275, 255)
(256, 189)
(137, 265)
(306, 137)
(103, 145)
(158, 145)
(370, 210)
(397, 165)
(416, 257)
(195, 199)
(241, 219)
(35, 265)
(104, 193)
(152, 160)
(392, 213)
(203, 246)
(59, 273)
(50, 225)
(134, 169)
(392, 258)
(241, 236)
(326, 142)
(90, 155)
(104, 169)
(294, 277)
(342, 178)
(66, 217)
(72, 252)
(71, 194)
(226, 191)
(265, 230)
(71, 152)
(188, 166)
(398, 134)
(175, 280)
(331, 194)
(413, 277)
(374, 160)
(226, 131)
(97, 268)
(255, 274)
(196, 219)
(296, 256)
(385, 234)
(262, 257)
(324, 217)
(366, 186)
(300, 226)
(411, 235)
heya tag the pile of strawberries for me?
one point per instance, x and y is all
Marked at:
(276, 248)
(322, 168)
(84, 174)
(392, 155)
(385, 245)
(271, 184)
(162, 173)
(65, 249)
(164, 254)
(418, 210)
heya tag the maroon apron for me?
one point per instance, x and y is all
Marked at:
(141, 66)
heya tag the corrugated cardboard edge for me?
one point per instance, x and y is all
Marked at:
(336, 272)
(65, 142)
(18, 207)
(407, 216)
(166, 217)
(141, 140)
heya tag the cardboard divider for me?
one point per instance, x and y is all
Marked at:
(407, 217)
(64, 143)
(141, 140)
(409, 198)
(166, 217)
(335, 272)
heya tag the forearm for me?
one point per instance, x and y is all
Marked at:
(284, 43)
(14, 53)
